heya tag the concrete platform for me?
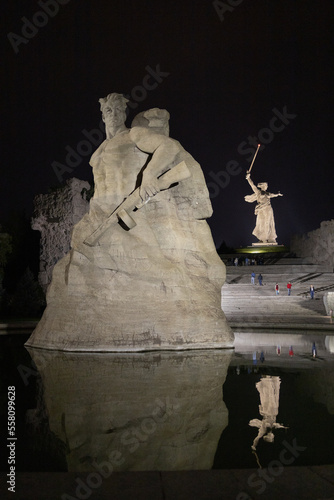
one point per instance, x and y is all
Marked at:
(275, 483)
(20, 326)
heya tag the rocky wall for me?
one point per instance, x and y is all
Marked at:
(54, 216)
(317, 245)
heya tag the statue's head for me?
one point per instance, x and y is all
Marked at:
(113, 108)
(269, 437)
(263, 186)
(155, 119)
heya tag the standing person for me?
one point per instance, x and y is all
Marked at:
(277, 289)
(312, 291)
(289, 287)
(314, 350)
(236, 261)
(253, 278)
(260, 279)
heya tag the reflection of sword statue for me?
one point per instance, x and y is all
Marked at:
(250, 168)
(122, 213)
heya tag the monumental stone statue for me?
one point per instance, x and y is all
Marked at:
(142, 272)
(265, 225)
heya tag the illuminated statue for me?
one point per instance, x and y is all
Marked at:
(265, 225)
(143, 272)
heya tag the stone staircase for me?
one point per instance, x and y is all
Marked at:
(250, 306)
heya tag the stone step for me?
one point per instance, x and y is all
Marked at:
(247, 305)
(279, 269)
(303, 280)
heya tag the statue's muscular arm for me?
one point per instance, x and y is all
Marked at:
(251, 183)
(164, 151)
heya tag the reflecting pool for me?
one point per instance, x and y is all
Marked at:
(269, 401)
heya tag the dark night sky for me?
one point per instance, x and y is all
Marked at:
(225, 78)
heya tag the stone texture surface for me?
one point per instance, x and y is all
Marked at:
(156, 286)
(329, 303)
(152, 411)
(54, 216)
(317, 245)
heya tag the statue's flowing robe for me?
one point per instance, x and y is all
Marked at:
(265, 225)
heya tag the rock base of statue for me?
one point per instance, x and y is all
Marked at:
(118, 298)
(175, 313)
(262, 244)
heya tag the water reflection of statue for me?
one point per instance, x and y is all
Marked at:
(265, 224)
(142, 412)
(268, 388)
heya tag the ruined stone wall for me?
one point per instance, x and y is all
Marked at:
(317, 245)
(54, 216)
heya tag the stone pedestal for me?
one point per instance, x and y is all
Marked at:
(260, 244)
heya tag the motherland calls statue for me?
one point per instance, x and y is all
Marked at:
(143, 272)
(265, 225)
